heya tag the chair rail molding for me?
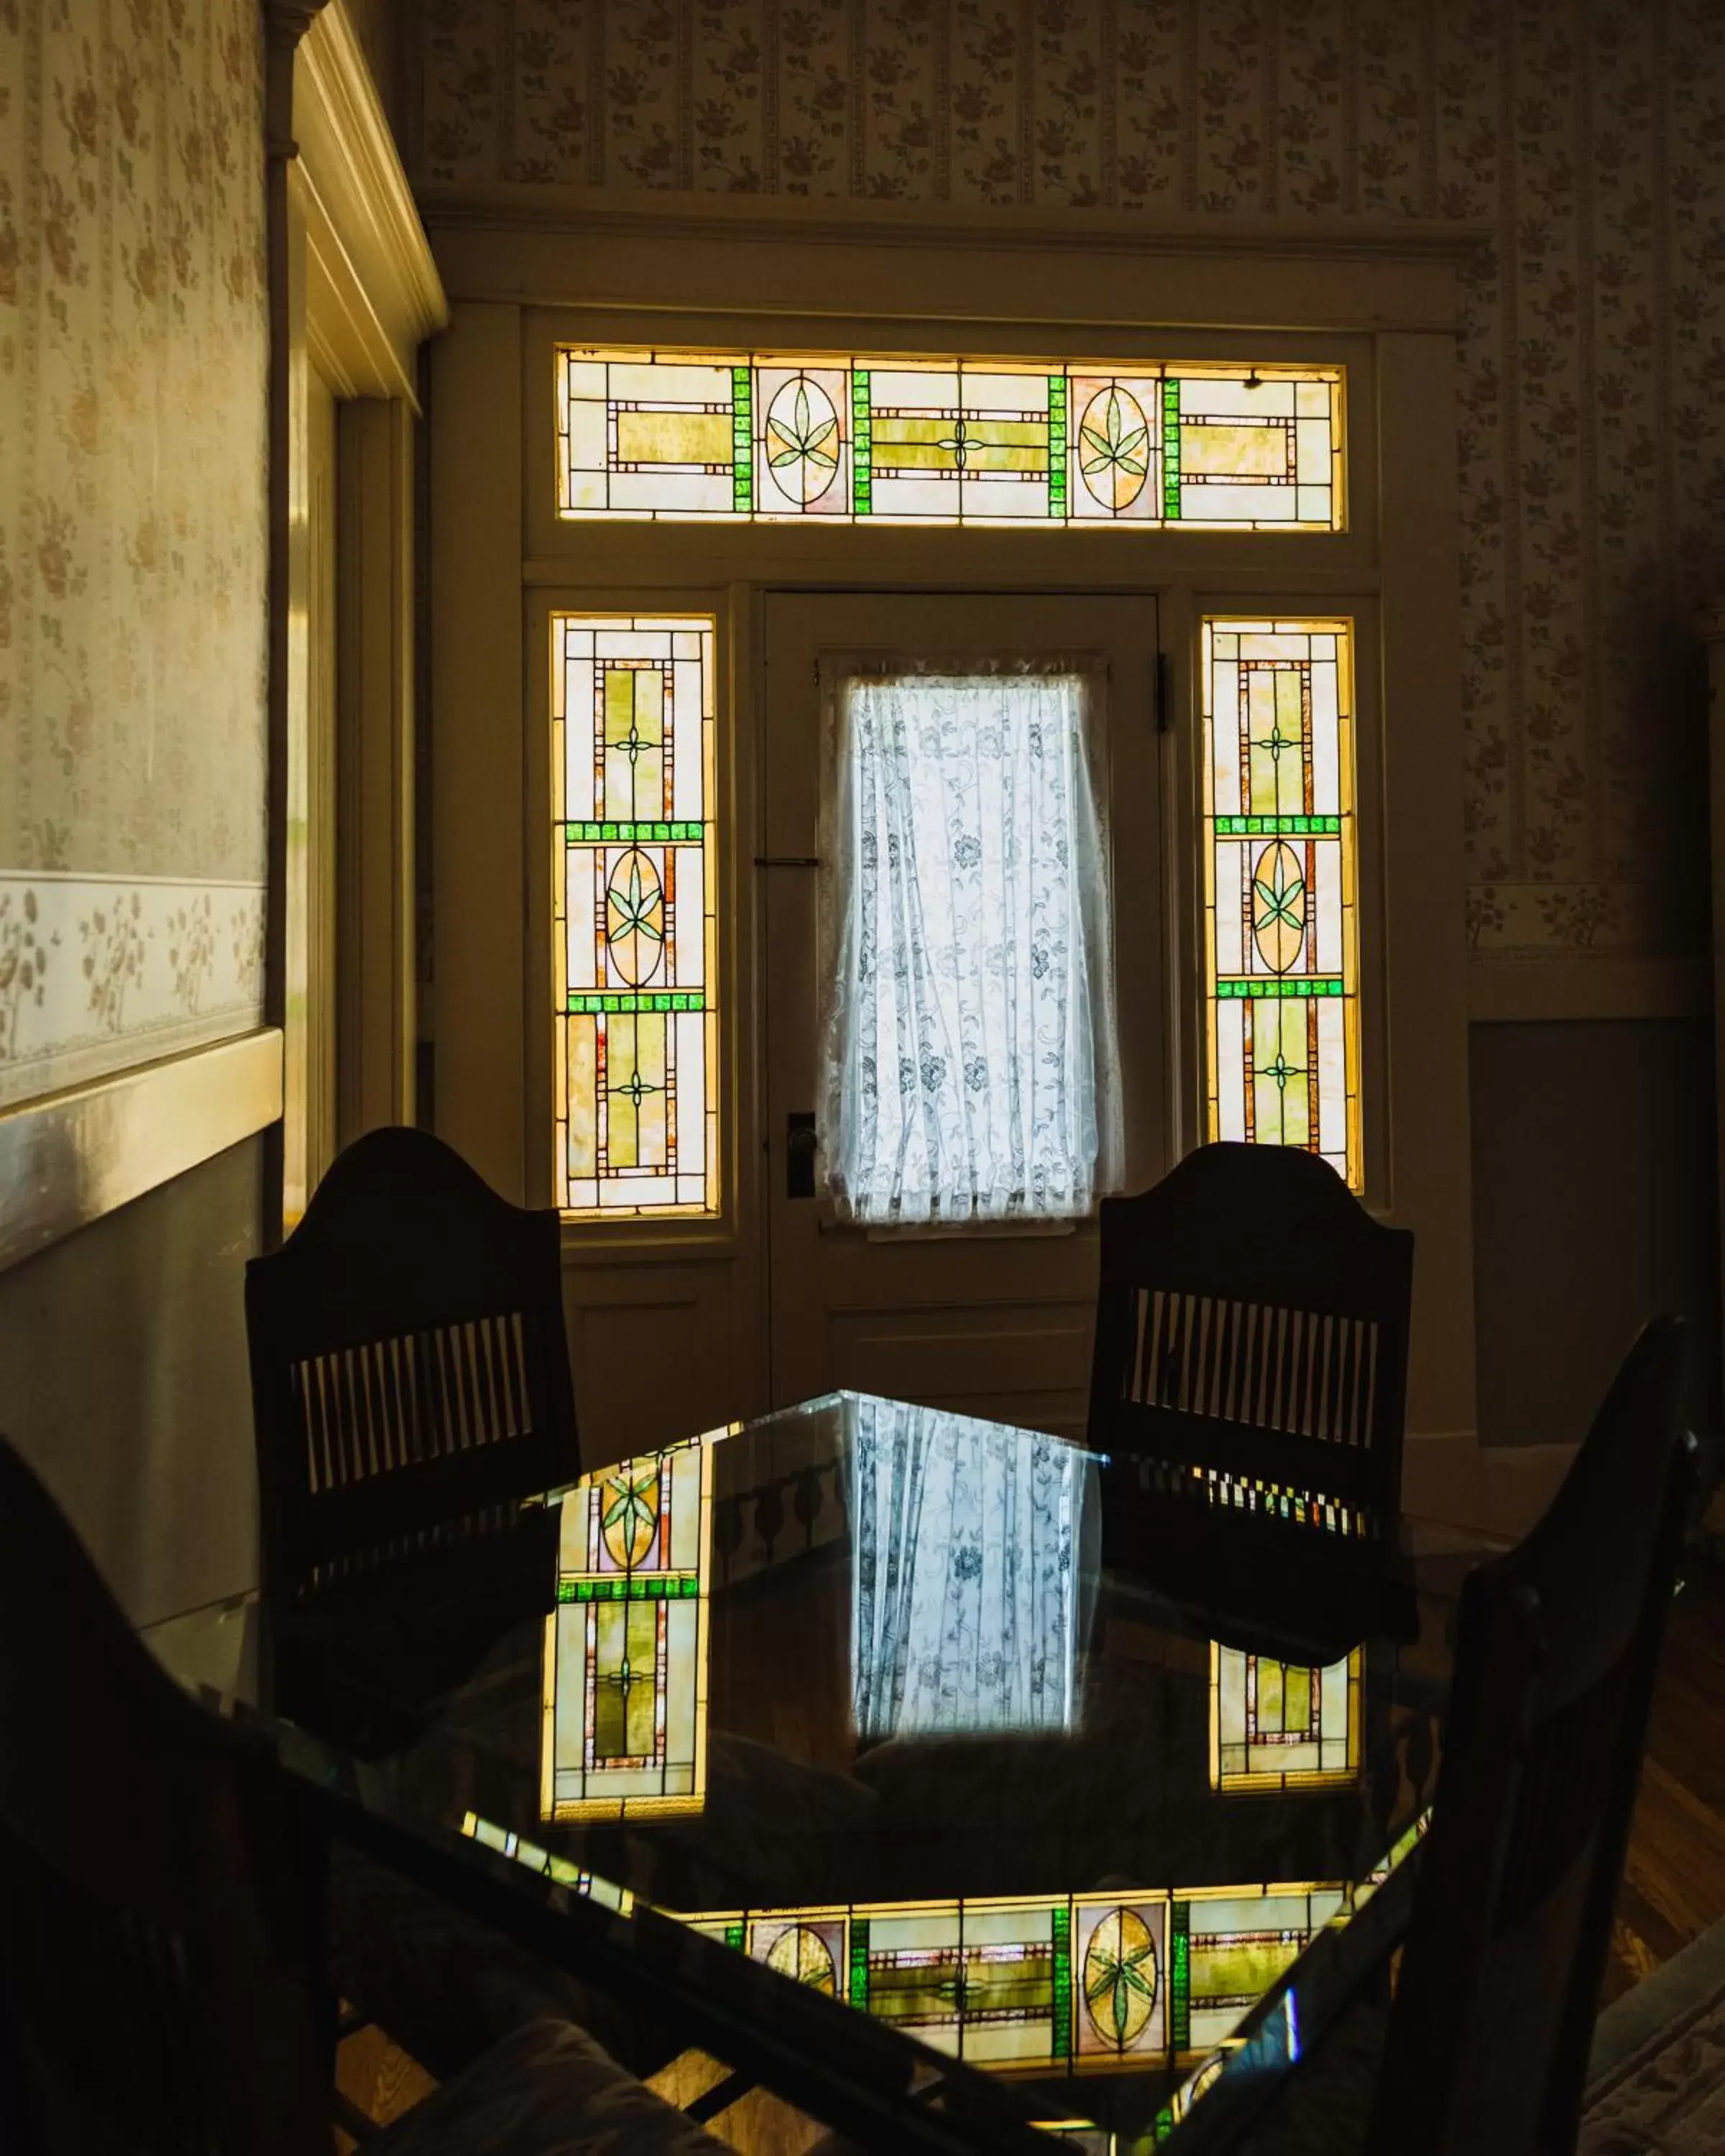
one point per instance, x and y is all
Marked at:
(70, 1157)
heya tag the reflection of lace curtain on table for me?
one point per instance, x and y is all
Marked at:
(970, 1068)
(964, 1606)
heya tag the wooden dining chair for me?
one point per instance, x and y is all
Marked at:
(1484, 2047)
(1558, 1647)
(1252, 1337)
(161, 1919)
(410, 1372)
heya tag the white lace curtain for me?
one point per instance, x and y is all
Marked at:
(969, 1070)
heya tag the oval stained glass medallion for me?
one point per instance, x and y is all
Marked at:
(802, 1953)
(1114, 447)
(634, 918)
(1120, 1977)
(802, 440)
(1279, 906)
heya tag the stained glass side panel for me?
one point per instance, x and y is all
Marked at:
(766, 437)
(1274, 1727)
(636, 936)
(624, 1674)
(1281, 870)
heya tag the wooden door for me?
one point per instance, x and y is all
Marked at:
(992, 1316)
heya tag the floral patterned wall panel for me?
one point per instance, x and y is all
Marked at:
(132, 533)
(1592, 439)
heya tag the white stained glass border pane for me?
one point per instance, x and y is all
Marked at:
(767, 461)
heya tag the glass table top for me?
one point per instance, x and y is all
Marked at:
(888, 1699)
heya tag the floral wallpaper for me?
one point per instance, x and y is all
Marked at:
(132, 533)
(1592, 435)
(375, 25)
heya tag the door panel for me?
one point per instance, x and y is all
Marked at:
(992, 1318)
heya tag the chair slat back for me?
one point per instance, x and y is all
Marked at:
(1252, 1320)
(1558, 1647)
(410, 1372)
(158, 1904)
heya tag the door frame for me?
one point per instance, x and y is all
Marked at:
(527, 273)
(353, 293)
(1154, 1072)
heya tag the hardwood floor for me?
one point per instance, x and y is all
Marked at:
(1674, 1882)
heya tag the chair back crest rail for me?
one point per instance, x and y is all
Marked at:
(1252, 1319)
(410, 1373)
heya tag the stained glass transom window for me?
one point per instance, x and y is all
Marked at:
(625, 1666)
(1281, 874)
(752, 437)
(1275, 1726)
(635, 1023)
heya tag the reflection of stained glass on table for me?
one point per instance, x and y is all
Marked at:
(1238, 1942)
(946, 440)
(1275, 1726)
(625, 1666)
(1281, 887)
(636, 925)
(1068, 1984)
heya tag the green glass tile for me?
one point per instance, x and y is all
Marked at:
(1180, 1978)
(577, 834)
(582, 1001)
(860, 1963)
(1171, 450)
(862, 444)
(736, 1935)
(1258, 991)
(624, 1587)
(1317, 827)
(742, 462)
